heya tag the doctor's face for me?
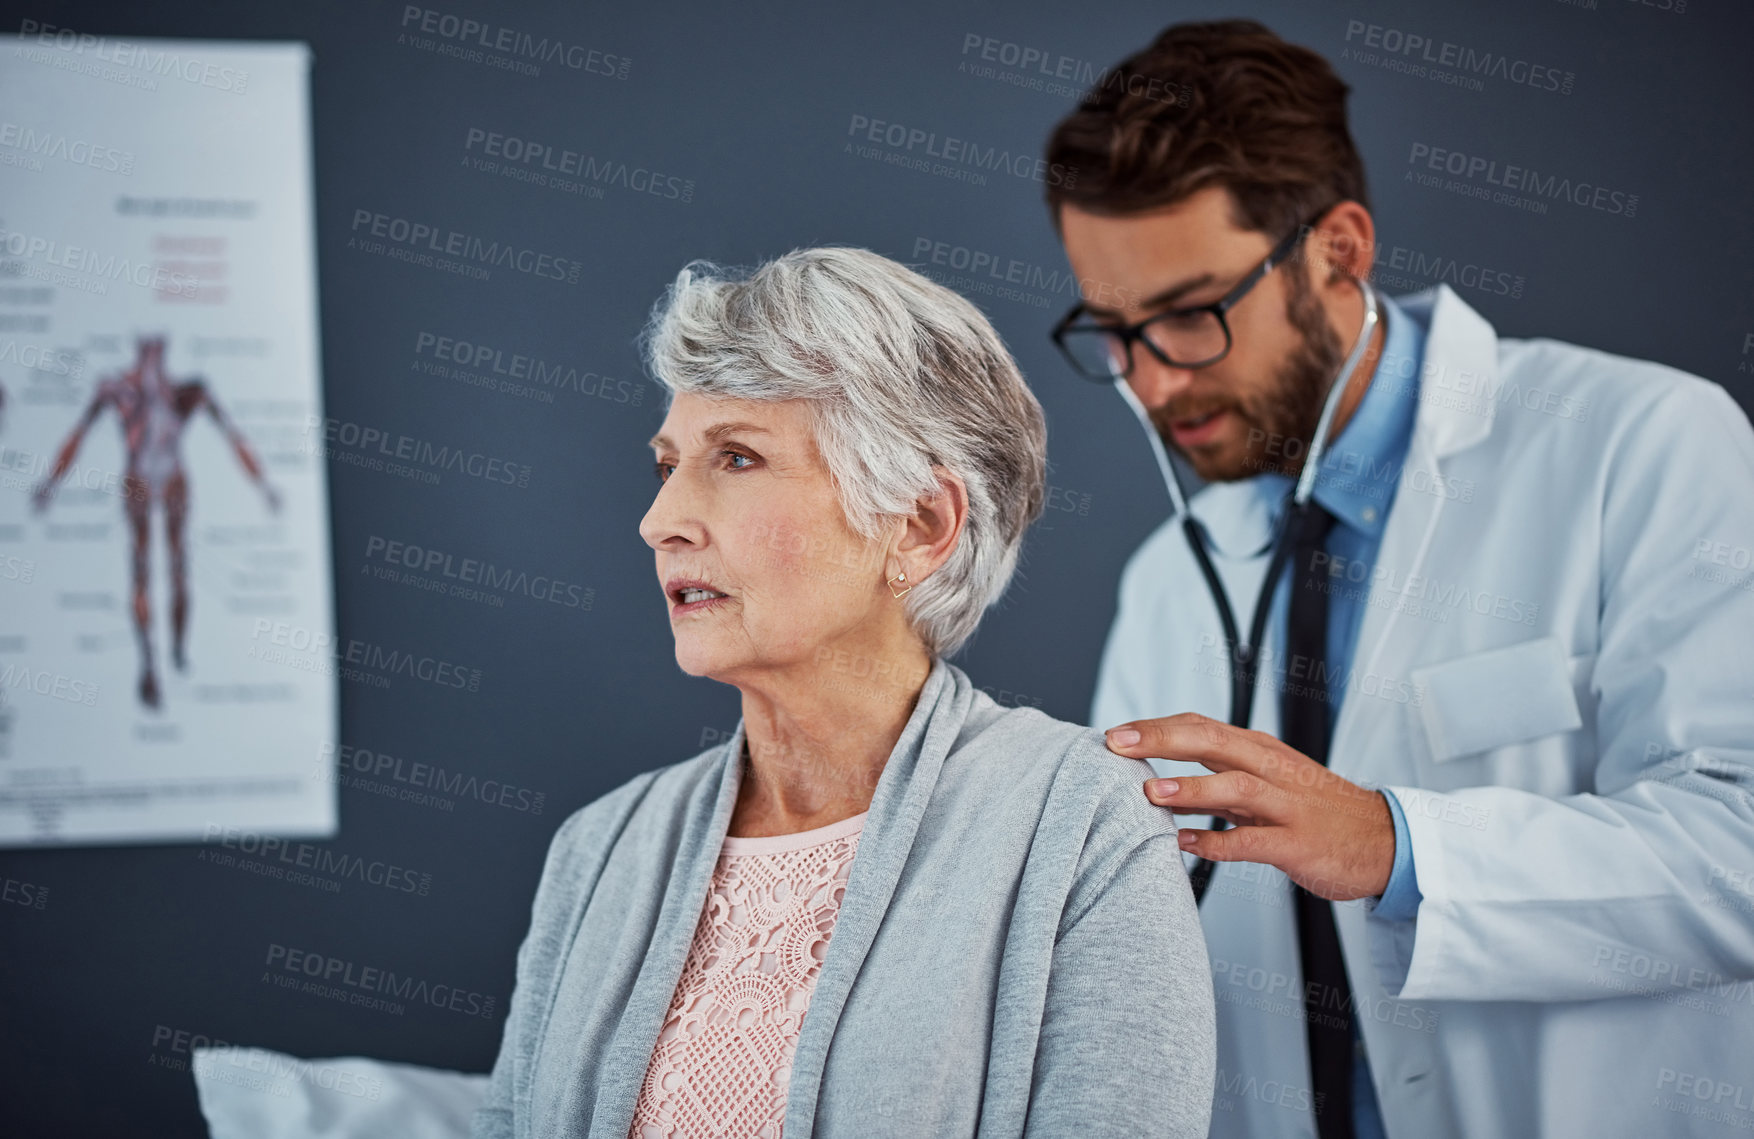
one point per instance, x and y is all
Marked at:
(1231, 419)
(761, 572)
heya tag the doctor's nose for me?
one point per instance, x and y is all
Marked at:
(1154, 382)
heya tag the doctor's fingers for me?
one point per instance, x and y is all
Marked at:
(1235, 796)
(1208, 742)
(1266, 844)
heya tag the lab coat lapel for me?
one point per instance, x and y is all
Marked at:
(1458, 376)
(897, 807)
(630, 1049)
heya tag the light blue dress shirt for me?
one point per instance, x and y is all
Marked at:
(1360, 471)
(1356, 484)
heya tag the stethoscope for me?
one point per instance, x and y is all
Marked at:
(1245, 655)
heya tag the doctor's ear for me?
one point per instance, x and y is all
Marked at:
(1342, 245)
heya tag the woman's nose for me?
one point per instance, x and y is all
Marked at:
(674, 516)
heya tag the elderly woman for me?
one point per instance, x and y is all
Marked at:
(887, 906)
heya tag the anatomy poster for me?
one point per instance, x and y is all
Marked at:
(163, 518)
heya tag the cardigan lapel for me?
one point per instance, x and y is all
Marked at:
(897, 807)
(629, 1052)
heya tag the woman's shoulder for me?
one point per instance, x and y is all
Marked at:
(1070, 766)
(641, 810)
(1084, 806)
(660, 793)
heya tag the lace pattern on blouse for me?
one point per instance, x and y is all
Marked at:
(723, 1062)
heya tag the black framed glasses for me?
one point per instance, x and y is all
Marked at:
(1181, 338)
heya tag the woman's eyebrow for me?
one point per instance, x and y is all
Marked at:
(714, 433)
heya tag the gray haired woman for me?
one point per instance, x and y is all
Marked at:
(887, 906)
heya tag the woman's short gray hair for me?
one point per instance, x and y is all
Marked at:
(901, 373)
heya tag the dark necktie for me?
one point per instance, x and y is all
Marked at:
(1304, 714)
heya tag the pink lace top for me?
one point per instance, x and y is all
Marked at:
(724, 1058)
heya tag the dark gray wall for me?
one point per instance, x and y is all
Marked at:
(751, 105)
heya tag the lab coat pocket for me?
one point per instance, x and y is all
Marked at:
(1505, 696)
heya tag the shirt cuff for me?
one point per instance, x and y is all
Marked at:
(1401, 897)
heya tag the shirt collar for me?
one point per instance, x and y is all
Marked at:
(1362, 465)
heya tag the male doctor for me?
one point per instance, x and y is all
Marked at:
(1501, 705)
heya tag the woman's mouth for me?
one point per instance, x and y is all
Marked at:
(696, 600)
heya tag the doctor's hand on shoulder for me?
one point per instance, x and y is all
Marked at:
(1331, 836)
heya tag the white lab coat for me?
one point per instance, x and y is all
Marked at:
(1555, 674)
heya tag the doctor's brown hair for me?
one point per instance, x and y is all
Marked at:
(1261, 117)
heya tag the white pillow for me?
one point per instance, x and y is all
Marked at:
(253, 1093)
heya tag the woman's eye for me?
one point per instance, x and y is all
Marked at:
(665, 470)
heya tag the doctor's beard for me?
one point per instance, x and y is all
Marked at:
(1280, 418)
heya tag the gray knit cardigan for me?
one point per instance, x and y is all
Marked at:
(1017, 952)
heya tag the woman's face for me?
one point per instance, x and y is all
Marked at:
(747, 513)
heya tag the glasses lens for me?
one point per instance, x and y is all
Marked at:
(1188, 339)
(1097, 353)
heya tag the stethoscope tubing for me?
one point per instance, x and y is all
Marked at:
(1244, 655)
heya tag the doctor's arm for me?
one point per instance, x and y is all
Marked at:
(1639, 885)
(1646, 883)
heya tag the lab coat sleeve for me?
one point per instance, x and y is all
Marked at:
(1128, 1041)
(1542, 901)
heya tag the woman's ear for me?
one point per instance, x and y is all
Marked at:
(930, 535)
